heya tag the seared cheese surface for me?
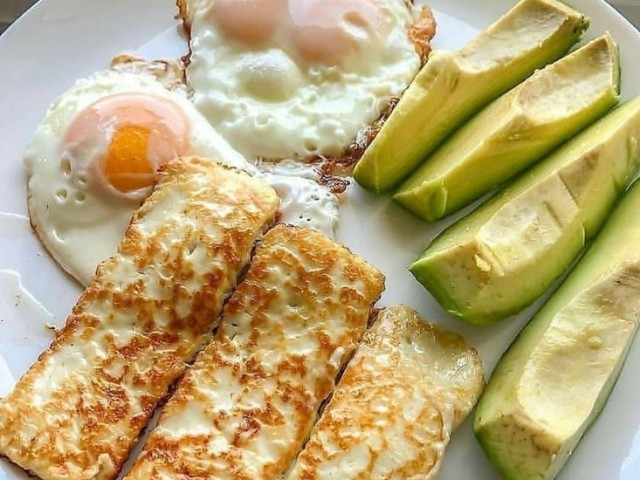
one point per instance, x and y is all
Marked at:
(405, 390)
(79, 409)
(245, 409)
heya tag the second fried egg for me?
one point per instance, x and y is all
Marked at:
(297, 78)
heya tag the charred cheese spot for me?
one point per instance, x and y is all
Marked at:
(408, 386)
(246, 407)
(79, 409)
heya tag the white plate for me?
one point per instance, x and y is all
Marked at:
(61, 40)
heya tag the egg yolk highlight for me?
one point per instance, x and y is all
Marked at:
(318, 31)
(122, 140)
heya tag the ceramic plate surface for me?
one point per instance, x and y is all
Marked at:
(59, 41)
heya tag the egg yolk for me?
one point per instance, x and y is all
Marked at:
(121, 140)
(318, 31)
(328, 31)
(126, 165)
(250, 21)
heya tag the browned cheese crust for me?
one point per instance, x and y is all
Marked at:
(408, 386)
(79, 409)
(245, 409)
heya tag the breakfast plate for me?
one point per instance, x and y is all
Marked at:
(59, 41)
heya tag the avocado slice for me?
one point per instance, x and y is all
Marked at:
(555, 378)
(505, 254)
(452, 86)
(516, 130)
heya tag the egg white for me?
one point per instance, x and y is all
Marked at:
(270, 105)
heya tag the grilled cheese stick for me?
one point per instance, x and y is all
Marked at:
(245, 409)
(79, 409)
(405, 390)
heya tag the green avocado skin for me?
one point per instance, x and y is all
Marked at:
(554, 380)
(453, 86)
(505, 254)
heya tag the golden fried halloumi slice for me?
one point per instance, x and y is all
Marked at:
(245, 409)
(79, 409)
(405, 390)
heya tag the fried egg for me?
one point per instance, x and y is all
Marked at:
(297, 78)
(94, 157)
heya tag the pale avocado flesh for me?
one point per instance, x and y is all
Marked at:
(555, 378)
(453, 86)
(516, 130)
(504, 255)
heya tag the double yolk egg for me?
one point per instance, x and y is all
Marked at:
(294, 79)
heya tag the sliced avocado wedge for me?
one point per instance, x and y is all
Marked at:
(516, 130)
(453, 86)
(505, 254)
(557, 375)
